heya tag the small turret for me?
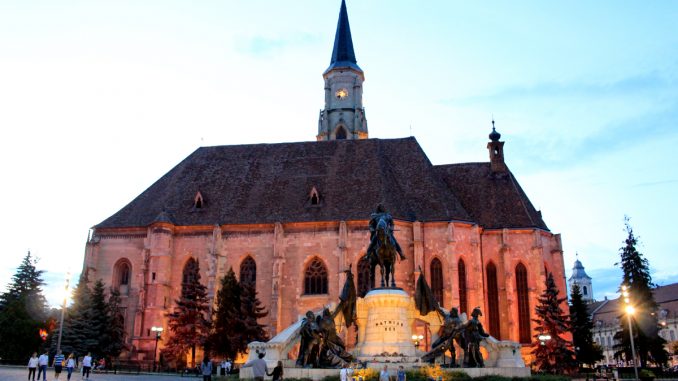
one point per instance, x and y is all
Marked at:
(496, 149)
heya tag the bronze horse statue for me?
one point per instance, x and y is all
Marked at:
(382, 251)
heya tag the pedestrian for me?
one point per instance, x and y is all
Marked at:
(32, 365)
(58, 364)
(345, 373)
(277, 372)
(206, 369)
(43, 361)
(228, 366)
(86, 366)
(258, 366)
(402, 376)
(383, 375)
(70, 365)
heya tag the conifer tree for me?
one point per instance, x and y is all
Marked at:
(116, 326)
(188, 324)
(223, 336)
(581, 327)
(554, 355)
(251, 311)
(99, 318)
(23, 312)
(636, 277)
(78, 335)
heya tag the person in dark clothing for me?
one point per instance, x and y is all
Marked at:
(277, 373)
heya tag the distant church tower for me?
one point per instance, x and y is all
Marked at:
(344, 115)
(580, 278)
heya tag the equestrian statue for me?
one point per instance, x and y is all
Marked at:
(383, 247)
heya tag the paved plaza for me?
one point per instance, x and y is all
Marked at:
(18, 374)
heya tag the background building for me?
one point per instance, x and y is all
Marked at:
(291, 216)
(580, 278)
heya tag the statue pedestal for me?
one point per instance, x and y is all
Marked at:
(387, 316)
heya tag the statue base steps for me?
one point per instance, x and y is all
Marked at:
(319, 374)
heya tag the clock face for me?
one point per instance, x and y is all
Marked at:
(341, 94)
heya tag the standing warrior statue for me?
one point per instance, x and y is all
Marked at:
(451, 331)
(474, 333)
(383, 246)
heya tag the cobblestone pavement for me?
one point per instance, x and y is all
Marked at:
(20, 374)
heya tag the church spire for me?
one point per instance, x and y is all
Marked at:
(344, 115)
(343, 54)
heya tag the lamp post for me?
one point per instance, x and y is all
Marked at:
(630, 310)
(158, 332)
(63, 309)
(416, 340)
(543, 338)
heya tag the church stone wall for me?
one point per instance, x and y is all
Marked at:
(282, 252)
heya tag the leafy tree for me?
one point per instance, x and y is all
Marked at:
(554, 355)
(223, 336)
(581, 327)
(188, 324)
(23, 312)
(636, 277)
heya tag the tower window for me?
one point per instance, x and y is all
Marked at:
(314, 197)
(341, 133)
(315, 278)
(585, 290)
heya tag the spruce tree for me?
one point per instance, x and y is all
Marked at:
(636, 277)
(99, 317)
(251, 311)
(187, 323)
(78, 334)
(23, 312)
(581, 327)
(223, 336)
(554, 355)
(116, 326)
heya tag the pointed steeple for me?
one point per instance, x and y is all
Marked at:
(343, 54)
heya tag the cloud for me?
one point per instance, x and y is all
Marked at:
(264, 46)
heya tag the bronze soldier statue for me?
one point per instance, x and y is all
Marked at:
(451, 331)
(474, 333)
(383, 247)
(309, 349)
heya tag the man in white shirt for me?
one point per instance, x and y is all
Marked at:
(345, 373)
(86, 365)
(43, 360)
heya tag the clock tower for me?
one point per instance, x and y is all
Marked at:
(343, 116)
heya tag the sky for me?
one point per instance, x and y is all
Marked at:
(98, 99)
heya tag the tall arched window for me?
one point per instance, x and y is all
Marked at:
(122, 274)
(493, 300)
(341, 133)
(437, 280)
(315, 278)
(523, 304)
(190, 273)
(248, 271)
(585, 290)
(463, 303)
(364, 285)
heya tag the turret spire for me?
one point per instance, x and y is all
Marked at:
(342, 53)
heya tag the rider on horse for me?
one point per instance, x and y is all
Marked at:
(381, 213)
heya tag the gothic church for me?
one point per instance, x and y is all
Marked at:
(290, 217)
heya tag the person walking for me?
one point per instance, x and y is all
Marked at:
(383, 375)
(32, 365)
(58, 364)
(277, 373)
(402, 376)
(206, 369)
(43, 361)
(345, 373)
(70, 365)
(258, 366)
(86, 366)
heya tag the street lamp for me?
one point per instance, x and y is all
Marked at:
(63, 309)
(630, 310)
(416, 339)
(543, 338)
(158, 332)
